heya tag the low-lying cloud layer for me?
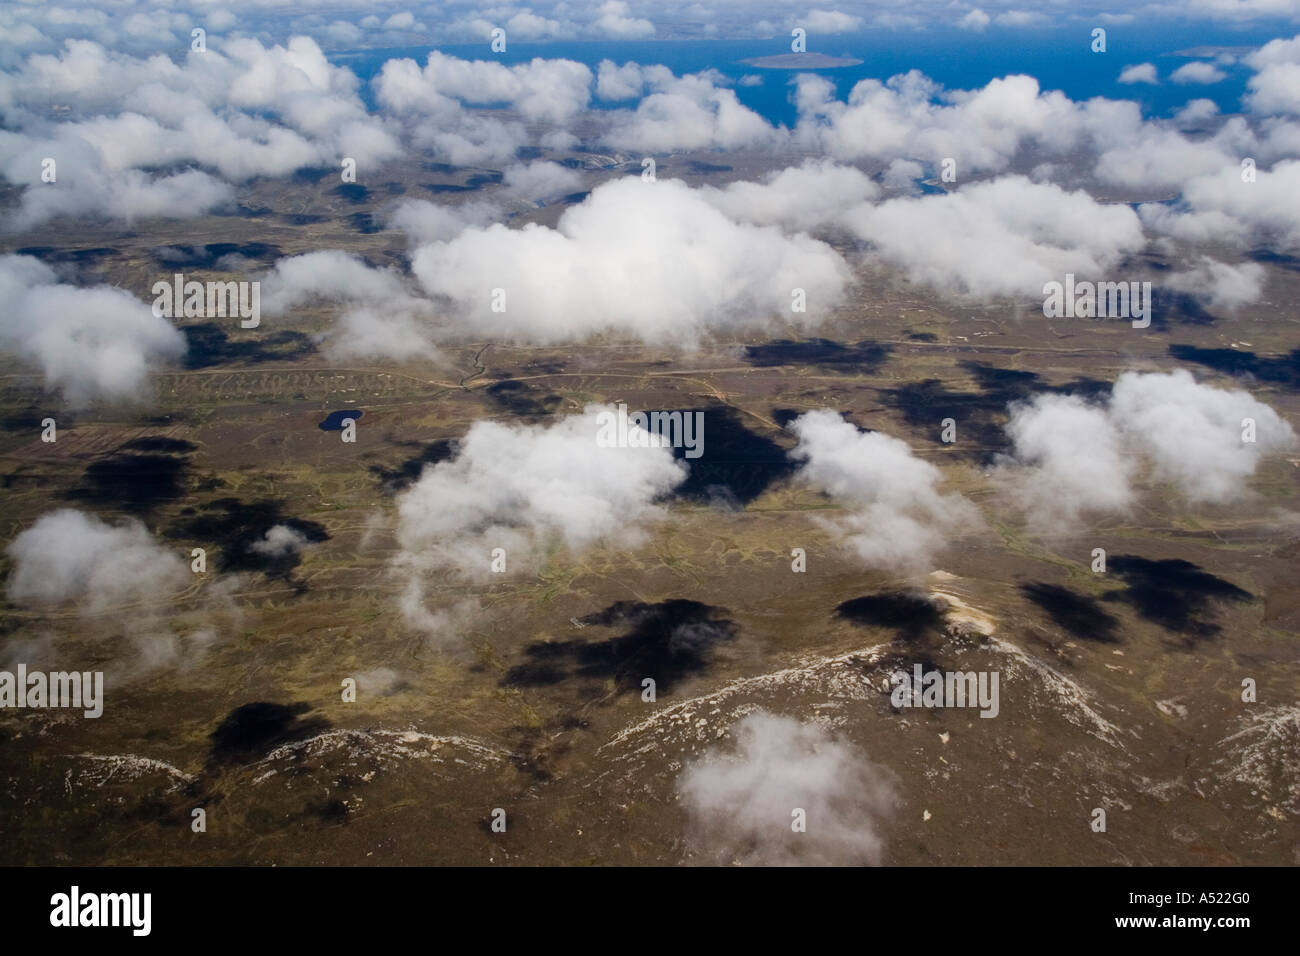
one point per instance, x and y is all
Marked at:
(1074, 459)
(97, 342)
(516, 487)
(896, 518)
(68, 555)
(652, 259)
(742, 802)
(798, 198)
(1003, 237)
(381, 316)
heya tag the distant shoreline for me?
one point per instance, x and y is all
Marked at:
(801, 61)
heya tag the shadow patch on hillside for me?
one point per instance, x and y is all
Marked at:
(737, 464)
(1078, 614)
(55, 254)
(238, 527)
(667, 641)
(1279, 369)
(354, 193)
(1168, 305)
(160, 444)
(179, 257)
(134, 482)
(911, 615)
(1176, 595)
(821, 353)
(979, 414)
(408, 472)
(253, 729)
(520, 399)
(210, 345)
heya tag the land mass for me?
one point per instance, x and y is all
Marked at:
(801, 61)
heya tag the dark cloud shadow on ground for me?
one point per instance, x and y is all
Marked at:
(408, 471)
(737, 464)
(1279, 369)
(1078, 614)
(979, 414)
(251, 730)
(518, 398)
(667, 641)
(179, 257)
(210, 345)
(235, 527)
(822, 353)
(1177, 595)
(910, 614)
(137, 483)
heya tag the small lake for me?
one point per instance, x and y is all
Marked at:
(334, 420)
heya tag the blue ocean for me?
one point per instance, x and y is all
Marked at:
(1059, 56)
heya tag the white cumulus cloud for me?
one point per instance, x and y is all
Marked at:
(896, 519)
(741, 799)
(68, 555)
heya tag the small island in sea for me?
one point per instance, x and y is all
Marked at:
(801, 61)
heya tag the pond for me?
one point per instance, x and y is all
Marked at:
(334, 420)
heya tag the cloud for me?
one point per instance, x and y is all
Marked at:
(976, 20)
(1157, 156)
(1196, 111)
(798, 198)
(221, 20)
(896, 519)
(380, 681)
(741, 802)
(241, 111)
(830, 22)
(541, 180)
(330, 275)
(1275, 87)
(1002, 237)
(526, 25)
(614, 83)
(515, 487)
(1221, 206)
(380, 316)
(1192, 433)
(1198, 72)
(147, 28)
(650, 259)
(134, 123)
(683, 113)
(425, 221)
(471, 140)
(156, 648)
(1139, 73)
(1072, 462)
(615, 23)
(96, 342)
(910, 116)
(210, 105)
(280, 541)
(1218, 284)
(1074, 459)
(1020, 18)
(68, 555)
(903, 174)
(551, 91)
(431, 103)
(86, 186)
